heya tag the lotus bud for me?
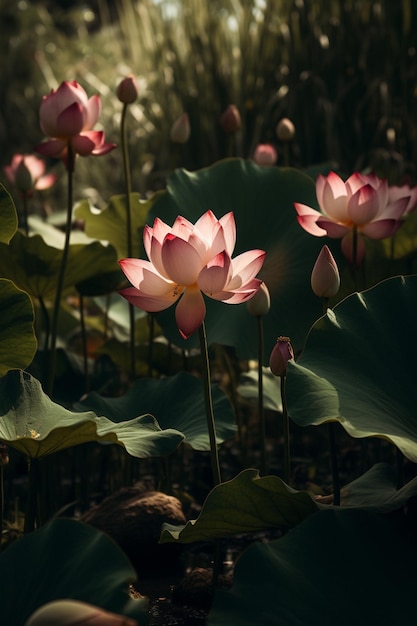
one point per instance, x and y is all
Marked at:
(180, 130)
(75, 613)
(265, 154)
(285, 130)
(280, 355)
(325, 279)
(127, 91)
(230, 120)
(260, 303)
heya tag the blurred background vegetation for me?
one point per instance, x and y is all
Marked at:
(344, 71)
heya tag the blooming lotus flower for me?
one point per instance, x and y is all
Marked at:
(265, 154)
(186, 260)
(67, 115)
(360, 206)
(27, 173)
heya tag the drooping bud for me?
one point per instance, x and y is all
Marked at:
(260, 303)
(76, 613)
(281, 353)
(127, 91)
(230, 120)
(181, 130)
(285, 130)
(265, 154)
(325, 279)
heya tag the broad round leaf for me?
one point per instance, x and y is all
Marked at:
(110, 224)
(8, 216)
(66, 559)
(17, 338)
(34, 266)
(247, 503)
(337, 567)
(176, 402)
(262, 200)
(33, 424)
(359, 366)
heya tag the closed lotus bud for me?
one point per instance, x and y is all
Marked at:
(75, 613)
(260, 303)
(265, 154)
(230, 120)
(181, 130)
(325, 279)
(127, 91)
(280, 355)
(285, 130)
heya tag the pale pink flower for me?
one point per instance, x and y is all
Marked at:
(68, 115)
(405, 191)
(186, 260)
(27, 173)
(180, 129)
(360, 206)
(265, 154)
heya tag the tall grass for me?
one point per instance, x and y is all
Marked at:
(344, 71)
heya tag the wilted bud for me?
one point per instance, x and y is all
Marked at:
(325, 279)
(75, 613)
(127, 91)
(260, 303)
(230, 120)
(265, 154)
(181, 130)
(285, 130)
(280, 355)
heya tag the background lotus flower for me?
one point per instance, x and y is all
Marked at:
(360, 206)
(27, 173)
(68, 115)
(181, 129)
(186, 260)
(265, 154)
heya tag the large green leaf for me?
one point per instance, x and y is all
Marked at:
(34, 266)
(262, 201)
(337, 567)
(33, 424)
(66, 559)
(8, 216)
(247, 503)
(359, 366)
(17, 338)
(176, 402)
(110, 224)
(250, 503)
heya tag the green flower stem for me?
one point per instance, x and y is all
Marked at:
(354, 257)
(211, 425)
(61, 276)
(129, 245)
(331, 432)
(261, 411)
(287, 454)
(32, 506)
(1, 502)
(84, 343)
(25, 213)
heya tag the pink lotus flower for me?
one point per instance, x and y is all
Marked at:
(186, 260)
(180, 129)
(68, 115)
(27, 173)
(405, 191)
(265, 154)
(360, 205)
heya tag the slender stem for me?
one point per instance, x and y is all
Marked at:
(129, 245)
(84, 342)
(333, 459)
(355, 257)
(399, 468)
(211, 425)
(1, 503)
(61, 276)
(32, 507)
(25, 213)
(46, 320)
(287, 454)
(151, 323)
(261, 412)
